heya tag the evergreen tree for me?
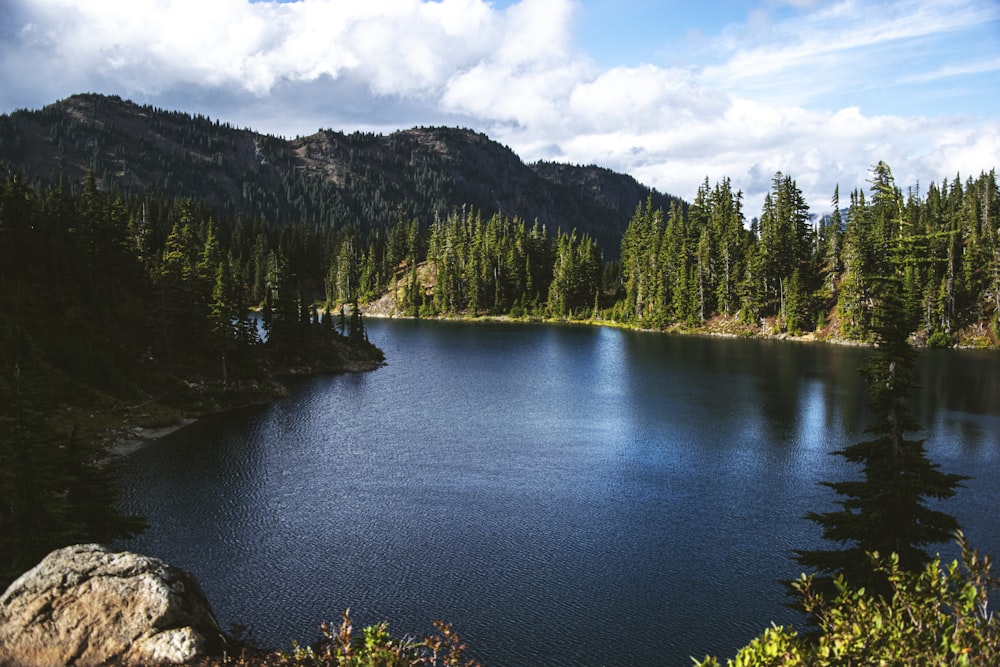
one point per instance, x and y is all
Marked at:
(356, 331)
(797, 305)
(641, 268)
(679, 264)
(860, 256)
(886, 510)
(751, 287)
(727, 227)
(185, 277)
(785, 244)
(576, 275)
(283, 308)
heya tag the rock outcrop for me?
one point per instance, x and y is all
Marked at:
(87, 605)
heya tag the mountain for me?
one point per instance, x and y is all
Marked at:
(326, 179)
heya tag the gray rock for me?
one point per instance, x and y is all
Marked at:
(86, 605)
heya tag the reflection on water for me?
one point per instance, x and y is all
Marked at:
(564, 495)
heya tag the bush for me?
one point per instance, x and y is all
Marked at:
(938, 616)
(939, 339)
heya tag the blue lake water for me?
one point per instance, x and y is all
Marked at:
(563, 495)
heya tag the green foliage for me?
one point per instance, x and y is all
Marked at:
(937, 615)
(788, 272)
(784, 244)
(939, 339)
(688, 267)
(499, 265)
(576, 276)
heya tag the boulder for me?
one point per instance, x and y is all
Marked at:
(87, 605)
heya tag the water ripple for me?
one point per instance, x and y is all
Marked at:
(563, 495)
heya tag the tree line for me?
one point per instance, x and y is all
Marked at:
(790, 272)
(787, 271)
(497, 266)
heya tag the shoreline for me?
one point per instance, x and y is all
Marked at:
(809, 337)
(133, 439)
(127, 440)
(141, 437)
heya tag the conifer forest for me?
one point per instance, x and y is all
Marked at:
(783, 271)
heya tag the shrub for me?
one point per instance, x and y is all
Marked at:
(938, 616)
(939, 339)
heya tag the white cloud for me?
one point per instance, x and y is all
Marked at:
(984, 66)
(643, 98)
(848, 45)
(526, 73)
(774, 92)
(398, 46)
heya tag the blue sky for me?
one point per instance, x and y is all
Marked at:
(670, 92)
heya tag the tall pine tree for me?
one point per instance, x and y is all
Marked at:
(886, 511)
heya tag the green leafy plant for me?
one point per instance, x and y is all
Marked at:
(939, 339)
(938, 616)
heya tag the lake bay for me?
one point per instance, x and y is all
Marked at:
(564, 495)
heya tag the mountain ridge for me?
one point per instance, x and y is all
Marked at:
(329, 178)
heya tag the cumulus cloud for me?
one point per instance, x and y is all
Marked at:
(780, 89)
(398, 46)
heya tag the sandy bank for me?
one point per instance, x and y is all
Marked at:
(138, 437)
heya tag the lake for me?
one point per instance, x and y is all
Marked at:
(564, 495)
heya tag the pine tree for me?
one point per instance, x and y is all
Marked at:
(727, 226)
(677, 258)
(860, 253)
(885, 511)
(831, 237)
(641, 267)
(283, 306)
(785, 242)
(342, 321)
(176, 286)
(356, 330)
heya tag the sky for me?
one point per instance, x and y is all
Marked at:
(670, 92)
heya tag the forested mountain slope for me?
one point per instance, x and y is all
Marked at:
(328, 179)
